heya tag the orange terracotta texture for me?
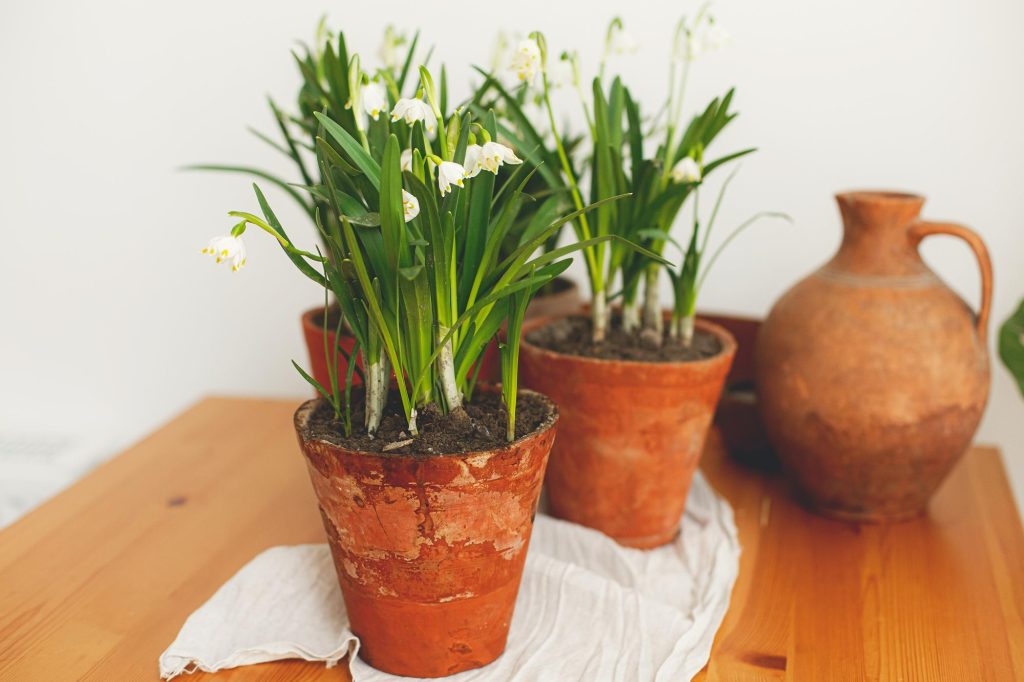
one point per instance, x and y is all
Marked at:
(429, 549)
(873, 374)
(737, 417)
(631, 436)
(313, 332)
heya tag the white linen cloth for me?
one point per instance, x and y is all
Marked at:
(588, 609)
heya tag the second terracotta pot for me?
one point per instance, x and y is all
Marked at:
(313, 333)
(562, 299)
(631, 436)
(429, 549)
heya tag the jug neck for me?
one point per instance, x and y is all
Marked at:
(876, 241)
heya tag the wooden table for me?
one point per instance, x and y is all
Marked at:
(96, 583)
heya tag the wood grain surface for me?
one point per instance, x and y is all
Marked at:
(96, 583)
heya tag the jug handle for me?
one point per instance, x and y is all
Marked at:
(924, 228)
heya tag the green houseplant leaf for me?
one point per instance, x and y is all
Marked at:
(1011, 345)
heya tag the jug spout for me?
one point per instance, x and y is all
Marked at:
(875, 234)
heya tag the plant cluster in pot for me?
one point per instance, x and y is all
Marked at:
(636, 389)
(297, 131)
(427, 487)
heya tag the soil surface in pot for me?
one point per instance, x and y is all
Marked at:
(480, 427)
(571, 336)
(556, 286)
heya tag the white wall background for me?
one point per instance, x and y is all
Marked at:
(111, 321)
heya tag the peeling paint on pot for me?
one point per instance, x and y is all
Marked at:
(429, 549)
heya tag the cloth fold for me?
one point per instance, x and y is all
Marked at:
(587, 608)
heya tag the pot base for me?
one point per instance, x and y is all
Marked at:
(417, 639)
(648, 541)
(864, 516)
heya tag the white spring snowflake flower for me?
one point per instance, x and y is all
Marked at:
(388, 50)
(375, 99)
(494, 154)
(686, 170)
(622, 41)
(405, 161)
(412, 109)
(526, 60)
(450, 173)
(489, 157)
(410, 206)
(704, 37)
(227, 249)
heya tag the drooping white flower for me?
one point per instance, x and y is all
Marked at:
(450, 173)
(621, 41)
(526, 60)
(405, 161)
(704, 37)
(227, 249)
(686, 170)
(472, 162)
(494, 154)
(410, 206)
(375, 99)
(388, 50)
(412, 109)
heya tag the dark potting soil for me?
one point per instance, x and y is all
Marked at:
(571, 336)
(556, 286)
(481, 426)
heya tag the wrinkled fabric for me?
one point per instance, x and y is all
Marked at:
(587, 609)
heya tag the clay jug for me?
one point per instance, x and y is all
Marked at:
(872, 374)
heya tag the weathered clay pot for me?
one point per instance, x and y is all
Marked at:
(313, 332)
(429, 549)
(737, 417)
(631, 436)
(873, 374)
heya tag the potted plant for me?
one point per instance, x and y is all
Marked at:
(427, 487)
(325, 70)
(636, 389)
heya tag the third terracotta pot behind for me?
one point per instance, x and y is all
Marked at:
(630, 436)
(872, 374)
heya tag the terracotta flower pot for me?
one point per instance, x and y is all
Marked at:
(631, 436)
(872, 373)
(737, 417)
(313, 331)
(429, 549)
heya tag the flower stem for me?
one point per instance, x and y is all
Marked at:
(652, 301)
(686, 323)
(630, 316)
(599, 317)
(446, 372)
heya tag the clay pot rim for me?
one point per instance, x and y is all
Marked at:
(302, 415)
(309, 322)
(726, 339)
(879, 196)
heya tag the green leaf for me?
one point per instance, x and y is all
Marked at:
(256, 172)
(1011, 345)
(355, 150)
(299, 262)
(411, 272)
(312, 382)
